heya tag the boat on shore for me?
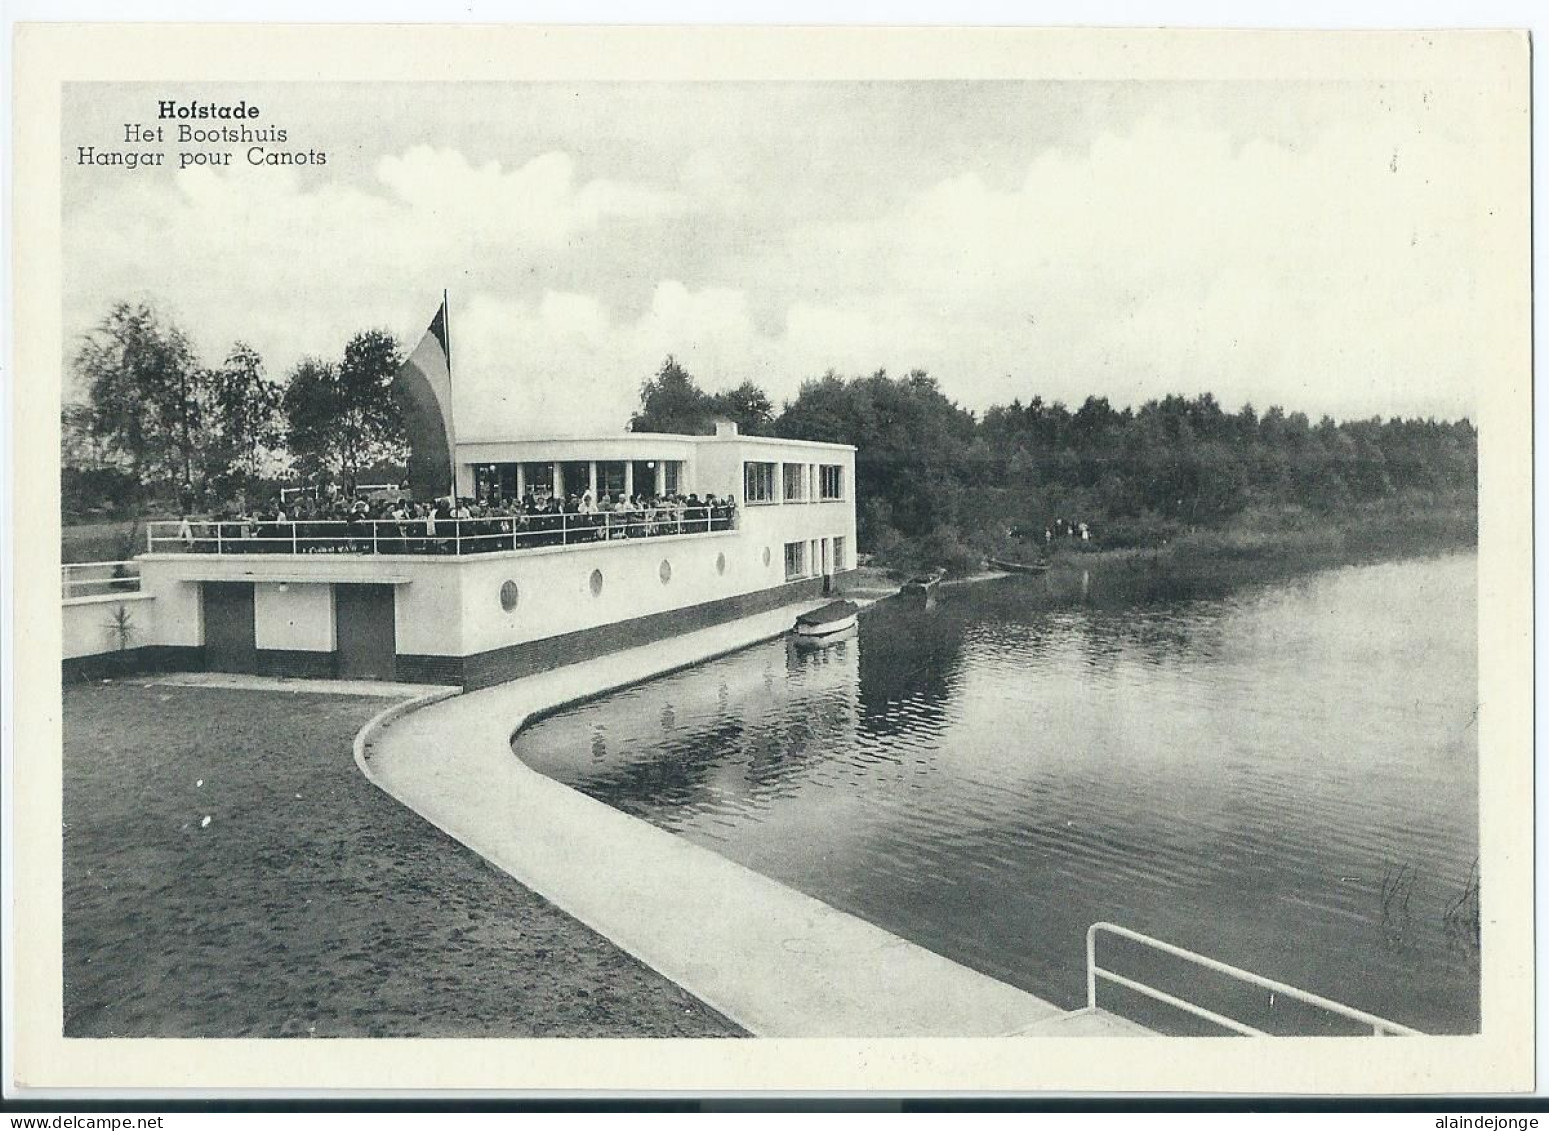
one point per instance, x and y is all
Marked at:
(1017, 567)
(923, 585)
(831, 622)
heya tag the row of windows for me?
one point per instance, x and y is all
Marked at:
(572, 477)
(798, 481)
(819, 555)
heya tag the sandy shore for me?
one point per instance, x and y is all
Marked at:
(228, 872)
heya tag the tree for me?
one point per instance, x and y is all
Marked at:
(245, 410)
(143, 387)
(341, 418)
(310, 404)
(915, 449)
(79, 444)
(672, 402)
(747, 405)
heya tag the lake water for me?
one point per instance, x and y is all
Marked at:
(1280, 775)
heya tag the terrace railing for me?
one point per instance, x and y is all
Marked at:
(1380, 1026)
(492, 534)
(98, 579)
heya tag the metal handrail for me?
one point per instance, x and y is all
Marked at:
(1380, 1026)
(489, 534)
(71, 585)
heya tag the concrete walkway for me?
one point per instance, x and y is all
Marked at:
(775, 961)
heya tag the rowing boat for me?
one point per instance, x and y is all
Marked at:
(829, 621)
(1017, 567)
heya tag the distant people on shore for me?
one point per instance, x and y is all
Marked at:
(1062, 529)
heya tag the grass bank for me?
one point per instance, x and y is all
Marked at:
(105, 540)
(310, 903)
(1257, 542)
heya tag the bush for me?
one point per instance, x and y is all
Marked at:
(944, 548)
(97, 492)
(1145, 531)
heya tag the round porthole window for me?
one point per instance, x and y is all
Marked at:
(665, 572)
(509, 596)
(766, 556)
(596, 583)
(720, 563)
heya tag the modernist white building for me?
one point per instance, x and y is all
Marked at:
(479, 602)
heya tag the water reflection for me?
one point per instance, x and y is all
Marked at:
(1244, 774)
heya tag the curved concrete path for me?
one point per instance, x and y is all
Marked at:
(775, 961)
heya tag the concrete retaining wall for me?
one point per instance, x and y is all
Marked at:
(91, 624)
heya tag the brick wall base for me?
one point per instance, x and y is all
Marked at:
(132, 661)
(500, 665)
(297, 664)
(430, 669)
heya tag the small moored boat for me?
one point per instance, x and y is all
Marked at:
(924, 584)
(1017, 567)
(827, 623)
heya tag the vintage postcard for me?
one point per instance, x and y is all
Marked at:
(561, 559)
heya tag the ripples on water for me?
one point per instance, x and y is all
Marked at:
(1238, 774)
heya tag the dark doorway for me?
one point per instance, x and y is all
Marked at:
(645, 477)
(577, 475)
(363, 631)
(230, 641)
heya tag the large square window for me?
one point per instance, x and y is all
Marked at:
(831, 481)
(795, 560)
(758, 482)
(795, 482)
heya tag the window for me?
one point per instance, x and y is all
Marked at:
(540, 479)
(575, 477)
(838, 555)
(831, 481)
(795, 560)
(610, 477)
(795, 482)
(673, 477)
(758, 482)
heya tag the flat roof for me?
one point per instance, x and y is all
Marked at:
(647, 438)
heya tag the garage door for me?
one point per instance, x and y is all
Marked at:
(363, 631)
(230, 643)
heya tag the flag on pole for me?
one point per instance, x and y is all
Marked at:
(423, 386)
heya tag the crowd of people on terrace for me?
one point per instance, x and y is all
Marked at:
(448, 525)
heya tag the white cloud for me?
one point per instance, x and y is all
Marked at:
(1333, 272)
(538, 203)
(1165, 259)
(566, 365)
(295, 267)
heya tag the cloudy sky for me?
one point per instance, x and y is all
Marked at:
(1316, 246)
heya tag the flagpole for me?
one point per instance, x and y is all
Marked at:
(451, 450)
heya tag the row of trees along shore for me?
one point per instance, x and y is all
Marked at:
(159, 430)
(935, 483)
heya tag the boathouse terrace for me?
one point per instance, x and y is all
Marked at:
(491, 534)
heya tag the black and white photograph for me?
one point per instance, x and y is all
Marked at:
(723, 555)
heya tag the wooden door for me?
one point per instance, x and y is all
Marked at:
(364, 635)
(230, 640)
